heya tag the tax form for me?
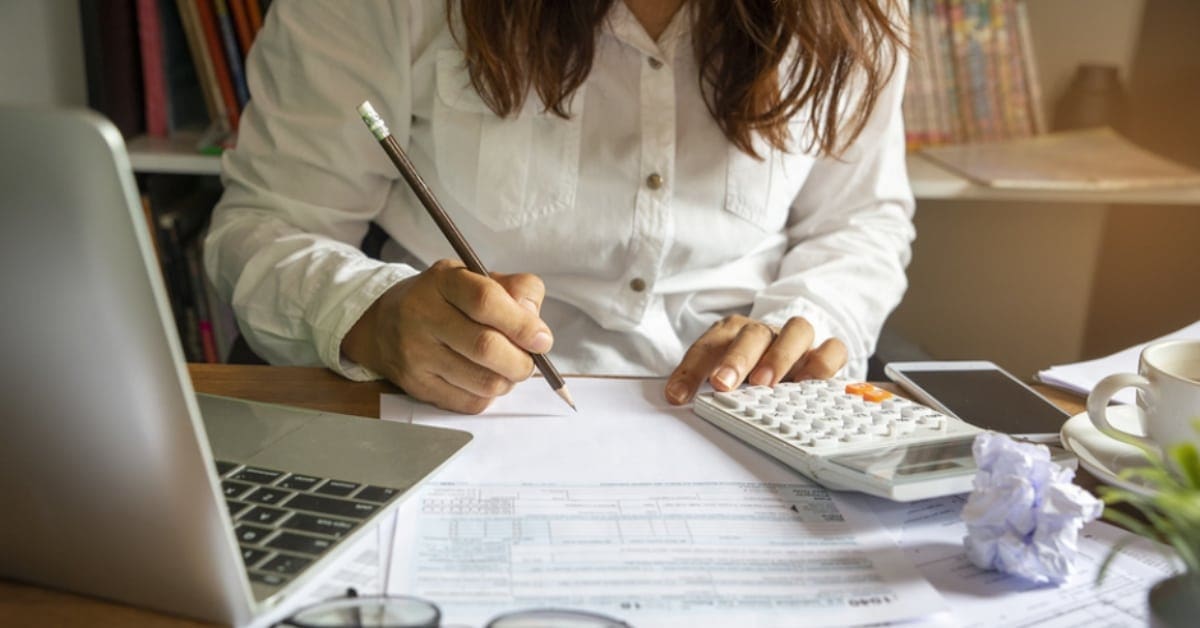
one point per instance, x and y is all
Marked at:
(931, 533)
(642, 511)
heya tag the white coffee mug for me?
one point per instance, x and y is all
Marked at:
(1168, 383)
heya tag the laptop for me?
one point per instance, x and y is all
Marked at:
(116, 479)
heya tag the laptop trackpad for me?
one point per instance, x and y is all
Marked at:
(325, 445)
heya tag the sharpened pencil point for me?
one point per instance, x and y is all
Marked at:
(566, 396)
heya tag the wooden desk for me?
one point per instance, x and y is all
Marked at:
(319, 389)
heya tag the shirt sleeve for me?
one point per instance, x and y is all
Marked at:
(307, 177)
(849, 237)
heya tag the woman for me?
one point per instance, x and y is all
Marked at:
(712, 189)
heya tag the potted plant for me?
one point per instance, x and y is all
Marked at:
(1171, 514)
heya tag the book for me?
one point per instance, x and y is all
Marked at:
(241, 23)
(1086, 160)
(1032, 82)
(207, 75)
(212, 38)
(186, 109)
(113, 67)
(233, 56)
(154, 82)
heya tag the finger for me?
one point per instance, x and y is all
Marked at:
(486, 302)
(526, 289)
(823, 362)
(484, 348)
(432, 388)
(786, 350)
(698, 363)
(473, 378)
(741, 355)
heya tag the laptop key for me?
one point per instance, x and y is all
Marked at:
(328, 526)
(234, 489)
(338, 488)
(285, 564)
(377, 494)
(224, 466)
(331, 506)
(264, 515)
(251, 556)
(299, 482)
(300, 544)
(267, 496)
(235, 507)
(257, 476)
(270, 579)
(251, 534)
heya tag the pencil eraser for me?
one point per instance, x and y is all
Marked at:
(372, 120)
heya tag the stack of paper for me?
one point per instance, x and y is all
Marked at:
(1081, 377)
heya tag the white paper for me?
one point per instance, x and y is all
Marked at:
(931, 531)
(631, 487)
(1081, 377)
(655, 554)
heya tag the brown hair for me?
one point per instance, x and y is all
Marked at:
(761, 61)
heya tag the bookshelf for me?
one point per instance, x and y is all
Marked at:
(929, 181)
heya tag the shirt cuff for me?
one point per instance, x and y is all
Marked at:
(329, 347)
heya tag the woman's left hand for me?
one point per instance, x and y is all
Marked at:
(737, 347)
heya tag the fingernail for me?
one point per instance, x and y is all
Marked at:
(542, 342)
(530, 305)
(677, 392)
(763, 376)
(727, 377)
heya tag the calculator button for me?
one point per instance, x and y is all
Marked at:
(787, 429)
(728, 400)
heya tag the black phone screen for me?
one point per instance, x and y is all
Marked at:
(991, 400)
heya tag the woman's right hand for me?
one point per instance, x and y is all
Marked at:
(452, 337)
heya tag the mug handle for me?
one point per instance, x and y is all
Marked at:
(1097, 405)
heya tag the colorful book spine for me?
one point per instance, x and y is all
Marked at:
(212, 37)
(1020, 104)
(154, 81)
(256, 15)
(233, 56)
(241, 23)
(207, 75)
(1031, 74)
(948, 84)
(960, 35)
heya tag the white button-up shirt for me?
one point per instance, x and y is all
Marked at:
(646, 224)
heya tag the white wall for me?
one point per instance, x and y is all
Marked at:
(41, 53)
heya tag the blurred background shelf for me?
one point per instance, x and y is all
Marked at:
(929, 180)
(176, 155)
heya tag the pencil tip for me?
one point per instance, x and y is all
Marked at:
(566, 396)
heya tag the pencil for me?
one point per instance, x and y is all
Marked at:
(380, 130)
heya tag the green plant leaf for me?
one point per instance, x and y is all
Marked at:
(1187, 463)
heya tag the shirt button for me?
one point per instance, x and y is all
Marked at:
(654, 181)
(654, 63)
(637, 284)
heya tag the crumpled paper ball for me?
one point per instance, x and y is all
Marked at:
(1024, 515)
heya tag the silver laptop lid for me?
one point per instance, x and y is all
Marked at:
(105, 475)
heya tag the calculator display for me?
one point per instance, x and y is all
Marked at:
(904, 461)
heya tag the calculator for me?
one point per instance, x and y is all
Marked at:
(848, 435)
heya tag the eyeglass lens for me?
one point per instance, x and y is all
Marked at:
(369, 612)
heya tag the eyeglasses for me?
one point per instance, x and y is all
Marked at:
(400, 611)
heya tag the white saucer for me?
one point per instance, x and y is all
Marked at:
(1104, 456)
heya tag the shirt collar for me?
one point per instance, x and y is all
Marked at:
(622, 24)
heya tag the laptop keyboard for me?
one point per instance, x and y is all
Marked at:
(285, 521)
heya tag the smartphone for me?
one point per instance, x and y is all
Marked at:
(982, 394)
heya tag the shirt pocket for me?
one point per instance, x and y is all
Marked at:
(506, 172)
(761, 190)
